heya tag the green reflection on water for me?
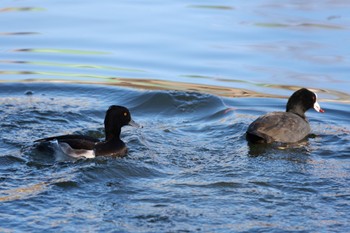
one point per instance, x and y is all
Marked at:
(79, 66)
(60, 74)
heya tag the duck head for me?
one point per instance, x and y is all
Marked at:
(117, 117)
(301, 101)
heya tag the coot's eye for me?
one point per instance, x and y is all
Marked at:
(125, 113)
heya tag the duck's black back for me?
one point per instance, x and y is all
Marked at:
(74, 141)
(283, 127)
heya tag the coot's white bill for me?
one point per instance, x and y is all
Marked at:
(317, 107)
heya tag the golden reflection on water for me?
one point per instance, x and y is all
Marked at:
(154, 84)
(220, 90)
(23, 192)
(32, 190)
(149, 83)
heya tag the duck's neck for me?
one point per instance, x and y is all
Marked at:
(113, 135)
(297, 109)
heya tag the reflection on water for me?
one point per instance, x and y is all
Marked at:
(263, 49)
(301, 25)
(190, 168)
(152, 84)
(22, 193)
(18, 33)
(212, 7)
(78, 66)
(64, 51)
(14, 9)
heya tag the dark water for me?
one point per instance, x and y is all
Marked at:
(188, 169)
(194, 74)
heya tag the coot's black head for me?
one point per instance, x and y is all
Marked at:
(301, 101)
(116, 117)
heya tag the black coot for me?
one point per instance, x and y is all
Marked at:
(286, 127)
(86, 146)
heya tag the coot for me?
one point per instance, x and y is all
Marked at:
(286, 127)
(86, 146)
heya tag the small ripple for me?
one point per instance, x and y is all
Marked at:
(19, 9)
(63, 51)
(302, 26)
(67, 184)
(19, 33)
(9, 160)
(112, 168)
(153, 218)
(212, 7)
(211, 185)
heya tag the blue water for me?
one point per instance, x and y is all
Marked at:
(194, 74)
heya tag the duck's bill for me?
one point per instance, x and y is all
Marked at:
(318, 108)
(134, 124)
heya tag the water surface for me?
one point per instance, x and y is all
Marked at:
(188, 168)
(256, 47)
(194, 74)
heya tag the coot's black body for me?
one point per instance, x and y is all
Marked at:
(286, 127)
(74, 145)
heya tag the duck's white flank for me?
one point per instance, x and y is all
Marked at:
(66, 149)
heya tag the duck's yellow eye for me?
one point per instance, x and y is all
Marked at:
(125, 113)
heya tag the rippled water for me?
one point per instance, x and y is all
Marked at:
(189, 168)
(194, 74)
